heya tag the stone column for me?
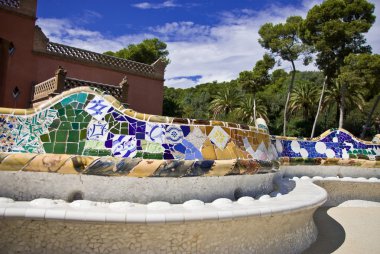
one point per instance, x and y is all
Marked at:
(124, 90)
(60, 77)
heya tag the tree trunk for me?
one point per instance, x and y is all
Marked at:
(319, 107)
(367, 124)
(254, 109)
(290, 89)
(342, 104)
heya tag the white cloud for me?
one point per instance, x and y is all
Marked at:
(66, 32)
(147, 5)
(182, 82)
(212, 52)
(372, 36)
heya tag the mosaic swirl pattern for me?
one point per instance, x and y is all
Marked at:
(335, 143)
(83, 121)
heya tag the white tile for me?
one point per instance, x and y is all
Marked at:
(115, 217)
(96, 216)
(174, 217)
(210, 215)
(2, 211)
(225, 215)
(35, 213)
(136, 217)
(239, 213)
(14, 212)
(52, 214)
(265, 211)
(75, 215)
(155, 218)
(193, 216)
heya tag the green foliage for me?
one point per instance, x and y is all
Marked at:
(255, 80)
(335, 29)
(304, 99)
(148, 51)
(225, 101)
(244, 111)
(283, 40)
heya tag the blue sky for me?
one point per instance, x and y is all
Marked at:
(207, 40)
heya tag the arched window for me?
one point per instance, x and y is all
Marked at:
(11, 48)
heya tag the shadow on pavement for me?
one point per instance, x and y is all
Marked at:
(331, 234)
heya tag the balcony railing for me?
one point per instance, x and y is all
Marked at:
(60, 83)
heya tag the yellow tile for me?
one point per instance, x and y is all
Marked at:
(145, 168)
(224, 154)
(15, 162)
(208, 151)
(47, 162)
(221, 168)
(76, 164)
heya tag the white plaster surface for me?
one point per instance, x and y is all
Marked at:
(342, 190)
(325, 171)
(278, 224)
(33, 185)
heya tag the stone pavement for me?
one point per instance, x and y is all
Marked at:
(351, 227)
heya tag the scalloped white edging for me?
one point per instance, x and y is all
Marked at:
(305, 195)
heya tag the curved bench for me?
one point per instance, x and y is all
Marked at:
(282, 223)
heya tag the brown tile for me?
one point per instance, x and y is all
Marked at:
(145, 168)
(15, 162)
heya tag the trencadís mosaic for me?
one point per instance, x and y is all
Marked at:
(83, 121)
(335, 143)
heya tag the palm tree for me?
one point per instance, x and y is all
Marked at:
(303, 99)
(225, 101)
(352, 96)
(246, 110)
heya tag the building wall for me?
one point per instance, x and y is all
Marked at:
(21, 69)
(25, 68)
(144, 94)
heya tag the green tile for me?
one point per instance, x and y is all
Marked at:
(48, 147)
(81, 147)
(83, 125)
(74, 97)
(124, 131)
(65, 126)
(79, 118)
(83, 134)
(61, 136)
(87, 118)
(75, 126)
(63, 118)
(70, 112)
(60, 148)
(45, 138)
(78, 112)
(82, 97)
(52, 136)
(61, 112)
(139, 155)
(74, 104)
(153, 156)
(90, 97)
(91, 152)
(57, 106)
(80, 106)
(73, 136)
(104, 152)
(71, 119)
(72, 148)
(55, 123)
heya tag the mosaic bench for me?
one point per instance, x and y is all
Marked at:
(333, 147)
(85, 121)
